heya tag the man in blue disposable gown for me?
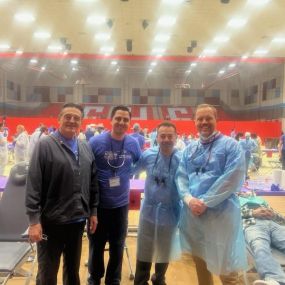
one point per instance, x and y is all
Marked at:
(160, 211)
(211, 171)
(248, 146)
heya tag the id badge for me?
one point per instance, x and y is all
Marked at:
(114, 181)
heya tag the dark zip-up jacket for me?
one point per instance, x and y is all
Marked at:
(61, 189)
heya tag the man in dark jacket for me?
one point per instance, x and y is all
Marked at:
(62, 193)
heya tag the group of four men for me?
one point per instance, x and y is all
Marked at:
(70, 181)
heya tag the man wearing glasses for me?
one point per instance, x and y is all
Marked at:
(160, 211)
(114, 152)
(211, 171)
(62, 192)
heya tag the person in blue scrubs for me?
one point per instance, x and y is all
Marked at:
(160, 211)
(210, 173)
(115, 152)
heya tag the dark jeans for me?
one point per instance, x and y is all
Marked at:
(112, 227)
(143, 273)
(61, 239)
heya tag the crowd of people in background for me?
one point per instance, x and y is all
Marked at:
(191, 186)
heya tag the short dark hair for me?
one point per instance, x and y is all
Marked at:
(73, 105)
(202, 106)
(166, 124)
(120, 108)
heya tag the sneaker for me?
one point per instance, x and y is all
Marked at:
(263, 282)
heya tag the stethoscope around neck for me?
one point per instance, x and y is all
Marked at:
(202, 168)
(161, 180)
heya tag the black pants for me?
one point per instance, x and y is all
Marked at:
(143, 273)
(61, 239)
(112, 227)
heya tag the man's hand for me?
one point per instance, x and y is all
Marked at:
(197, 206)
(263, 213)
(35, 232)
(93, 221)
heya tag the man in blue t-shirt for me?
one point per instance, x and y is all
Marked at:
(114, 152)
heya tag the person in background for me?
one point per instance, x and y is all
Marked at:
(282, 150)
(35, 137)
(263, 228)
(81, 136)
(160, 210)
(233, 133)
(61, 193)
(152, 137)
(248, 146)
(211, 171)
(21, 140)
(136, 134)
(115, 152)
(3, 149)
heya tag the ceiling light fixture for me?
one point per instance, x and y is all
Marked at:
(96, 20)
(55, 48)
(4, 46)
(221, 39)
(42, 35)
(162, 38)
(33, 61)
(24, 17)
(158, 51)
(257, 3)
(172, 2)
(166, 21)
(237, 22)
(103, 36)
(278, 40)
(260, 52)
(106, 49)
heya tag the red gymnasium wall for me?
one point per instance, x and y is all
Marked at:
(263, 129)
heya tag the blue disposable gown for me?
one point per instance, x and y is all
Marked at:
(213, 173)
(158, 239)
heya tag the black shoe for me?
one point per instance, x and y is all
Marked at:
(92, 281)
(155, 281)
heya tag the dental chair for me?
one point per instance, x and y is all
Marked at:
(14, 249)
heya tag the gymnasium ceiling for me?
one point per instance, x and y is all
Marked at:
(117, 35)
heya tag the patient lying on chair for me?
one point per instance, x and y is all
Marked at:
(263, 228)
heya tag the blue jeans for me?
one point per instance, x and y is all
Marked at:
(260, 237)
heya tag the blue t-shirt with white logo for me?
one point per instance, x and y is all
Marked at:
(114, 160)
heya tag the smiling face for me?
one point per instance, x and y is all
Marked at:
(70, 120)
(205, 121)
(166, 138)
(120, 123)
